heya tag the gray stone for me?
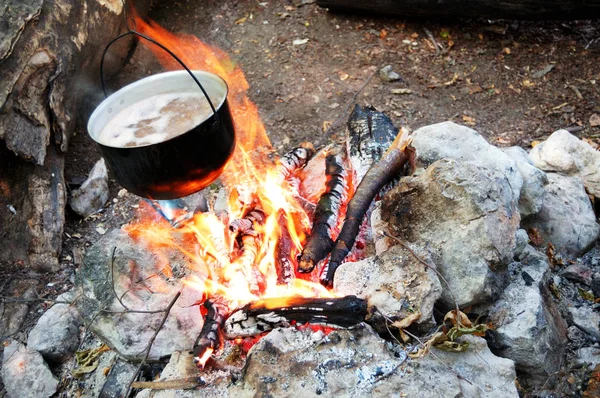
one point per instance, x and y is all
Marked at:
(129, 333)
(534, 180)
(577, 337)
(56, 334)
(93, 193)
(395, 283)
(522, 242)
(564, 153)
(13, 313)
(465, 215)
(588, 356)
(387, 74)
(529, 327)
(579, 273)
(596, 284)
(567, 219)
(586, 319)
(351, 363)
(25, 374)
(449, 140)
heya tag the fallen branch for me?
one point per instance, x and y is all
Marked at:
(211, 335)
(320, 242)
(186, 383)
(264, 315)
(376, 178)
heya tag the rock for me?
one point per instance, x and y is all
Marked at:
(595, 120)
(567, 219)
(353, 363)
(577, 337)
(93, 193)
(13, 313)
(466, 216)
(25, 374)
(579, 273)
(596, 284)
(396, 283)
(586, 319)
(588, 356)
(564, 153)
(529, 328)
(387, 74)
(56, 334)
(522, 242)
(128, 334)
(449, 140)
(534, 180)
(118, 379)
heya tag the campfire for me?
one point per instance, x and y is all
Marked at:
(259, 255)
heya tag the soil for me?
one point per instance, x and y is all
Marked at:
(514, 82)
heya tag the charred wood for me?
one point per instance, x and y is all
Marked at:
(250, 241)
(320, 242)
(294, 160)
(376, 178)
(264, 315)
(507, 9)
(211, 335)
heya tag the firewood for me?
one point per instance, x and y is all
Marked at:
(211, 335)
(283, 265)
(267, 314)
(250, 244)
(320, 242)
(294, 160)
(378, 176)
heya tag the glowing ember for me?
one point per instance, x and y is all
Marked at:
(236, 265)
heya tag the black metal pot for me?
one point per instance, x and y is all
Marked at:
(179, 166)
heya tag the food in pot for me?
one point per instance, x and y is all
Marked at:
(155, 119)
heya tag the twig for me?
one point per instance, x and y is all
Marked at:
(112, 277)
(419, 259)
(438, 358)
(434, 42)
(574, 129)
(342, 116)
(186, 383)
(149, 346)
(391, 372)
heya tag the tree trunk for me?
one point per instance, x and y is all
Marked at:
(507, 9)
(49, 56)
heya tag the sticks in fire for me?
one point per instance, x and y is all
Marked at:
(211, 335)
(320, 242)
(267, 314)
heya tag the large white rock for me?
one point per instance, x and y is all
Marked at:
(530, 329)
(466, 216)
(449, 140)
(564, 153)
(534, 180)
(56, 334)
(128, 334)
(567, 219)
(25, 374)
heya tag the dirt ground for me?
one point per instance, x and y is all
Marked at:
(514, 82)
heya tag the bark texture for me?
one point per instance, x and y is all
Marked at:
(507, 9)
(49, 56)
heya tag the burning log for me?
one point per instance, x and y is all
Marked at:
(211, 335)
(283, 265)
(320, 242)
(264, 315)
(294, 160)
(250, 244)
(376, 178)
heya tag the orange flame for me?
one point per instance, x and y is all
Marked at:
(217, 262)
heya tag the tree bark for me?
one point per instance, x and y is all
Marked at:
(49, 56)
(507, 9)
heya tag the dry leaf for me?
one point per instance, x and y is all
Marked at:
(469, 120)
(406, 322)
(527, 83)
(461, 320)
(383, 34)
(242, 20)
(401, 91)
(595, 120)
(343, 76)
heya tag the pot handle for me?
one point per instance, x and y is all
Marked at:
(134, 32)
